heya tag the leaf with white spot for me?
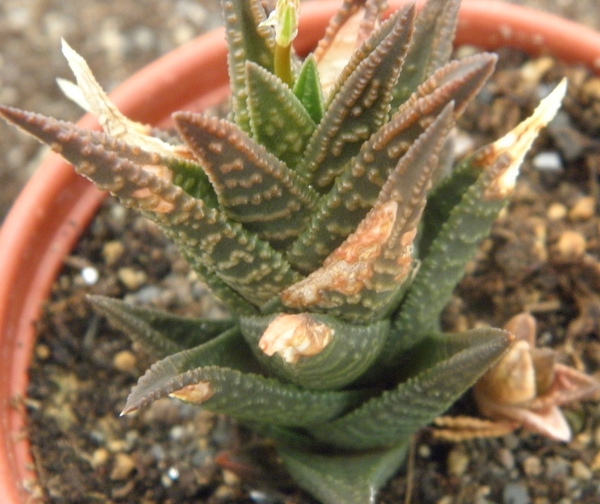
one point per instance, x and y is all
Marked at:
(397, 414)
(356, 189)
(430, 48)
(359, 279)
(252, 185)
(465, 205)
(314, 351)
(244, 395)
(244, 269)
(279, 120)
(248, 39)
(360, 106)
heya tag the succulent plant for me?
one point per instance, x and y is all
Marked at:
(326, 214)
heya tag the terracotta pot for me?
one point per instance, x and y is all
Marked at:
(56, 205)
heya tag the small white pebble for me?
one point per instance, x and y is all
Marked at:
(223, 492)
(90, 275)
(547, 161)
(463, 144)
(515, 493)
(42, 352)
(191, 11)
(506, 458)
(176, 433)
(230, 478)
(112, 251)
(165, 481)
(173, 473)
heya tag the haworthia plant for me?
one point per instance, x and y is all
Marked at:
(321, 215)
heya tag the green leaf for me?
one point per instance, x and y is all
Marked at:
(360, 278)
(356, 189)
(226, 350)
(245, 396)
(234, 302)
(159, 333)
(279, 120)
(241, 262)
(467, 219)
(396, 414)
(248, 265)
(252, 185)
(336, 54)
(351, 350)
(361, 105)
(454, 245)
(459, 81)
(349, 478)
(247, 40)
(443, 199)
(430, 48)
(431, 350)
(193, 180)
(307, 89)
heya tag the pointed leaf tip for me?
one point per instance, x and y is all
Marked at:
(95, 100)
(360, 276)
(517, 142)
(253, 186)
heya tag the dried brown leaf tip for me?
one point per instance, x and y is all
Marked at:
(525, 388)
(510, 150)
(295, 336)
(195, 393)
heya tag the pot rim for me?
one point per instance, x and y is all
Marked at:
(56, 204)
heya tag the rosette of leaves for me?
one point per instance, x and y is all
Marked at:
(328, 216)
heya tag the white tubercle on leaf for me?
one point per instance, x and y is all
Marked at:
(517, 142)
(295, 336)
(91, 97)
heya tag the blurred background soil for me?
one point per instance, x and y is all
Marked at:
(116, 37)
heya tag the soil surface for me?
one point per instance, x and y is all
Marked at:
(543, 256)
